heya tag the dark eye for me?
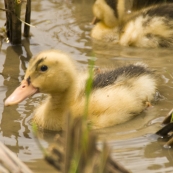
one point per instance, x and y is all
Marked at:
(43, 68)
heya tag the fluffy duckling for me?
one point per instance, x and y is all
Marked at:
(139, 4)
(150, 27)
(117, 95)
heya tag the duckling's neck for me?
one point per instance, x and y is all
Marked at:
(60, 101)
(51, 114)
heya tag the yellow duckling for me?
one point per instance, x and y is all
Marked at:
(139, 4)
(150, 27)
(117, 95)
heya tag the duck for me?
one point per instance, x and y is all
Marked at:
(149, 27)
(139, 4)
(117, 95)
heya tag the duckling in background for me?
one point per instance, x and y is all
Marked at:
(139, 4)
(117, 95)
(150, 27)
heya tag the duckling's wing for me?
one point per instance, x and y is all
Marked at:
(121, 74)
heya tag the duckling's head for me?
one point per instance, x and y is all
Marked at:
(106, 12)
(50, 72)
(109, 12)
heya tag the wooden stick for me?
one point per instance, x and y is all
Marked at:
(10, 162)
(27, 18)
(13, 24)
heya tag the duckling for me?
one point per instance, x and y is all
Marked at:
(149, 27)
(117, 95)
(139, 4)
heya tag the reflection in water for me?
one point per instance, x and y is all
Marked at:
(154, 151)
(66, 25)
(11, 71)
(15, 121)
(146, 152)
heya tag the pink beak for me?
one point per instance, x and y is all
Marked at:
(20, 93)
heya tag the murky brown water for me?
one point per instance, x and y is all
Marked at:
(66, 26)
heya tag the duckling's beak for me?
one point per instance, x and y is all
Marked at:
(95, 20)
(20, 93)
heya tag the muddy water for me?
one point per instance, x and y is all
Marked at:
(66, 26)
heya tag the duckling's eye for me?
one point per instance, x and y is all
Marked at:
(43, 68)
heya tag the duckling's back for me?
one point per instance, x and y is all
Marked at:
(151, 27)
(118, 95)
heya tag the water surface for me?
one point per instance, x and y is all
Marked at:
(65, 25)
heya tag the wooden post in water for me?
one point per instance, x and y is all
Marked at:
(13, 24)
(27, 18)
